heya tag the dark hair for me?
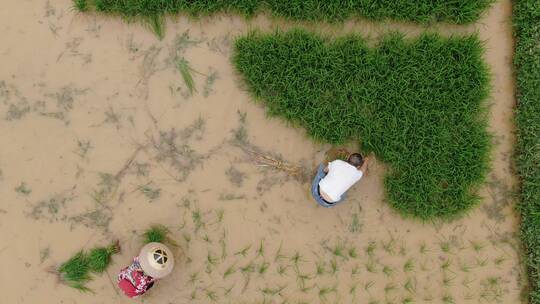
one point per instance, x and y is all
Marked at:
(355, 159)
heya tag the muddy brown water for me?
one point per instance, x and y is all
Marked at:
(100, 138)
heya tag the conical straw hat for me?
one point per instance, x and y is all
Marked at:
(156, 260)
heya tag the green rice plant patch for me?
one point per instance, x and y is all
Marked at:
(75, 272)
(152, 12)
(527, 62)
(417, 104)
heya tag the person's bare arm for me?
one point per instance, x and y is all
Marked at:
(326, 169)
(364, 166)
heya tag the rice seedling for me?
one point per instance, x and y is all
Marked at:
(227, 291)
(445, 265)
(273, 291)
(407, 300)
(156, 23)
(402, 250)
(368, 285)
(44, 254)
(464, 266)
(75, 271)
(409, 265)
(99, 258)
(355, 270)
(352, 289)
(429, 298)
(324, 291)
(297, 258)
(389, 287)
(23, 189)
(467, 282)
(423, 249)
(319, 268)
(355, 225)
(263, 267)
(260, 250)
(387, 270)
(447, 280)
(526, 17)
(229, 271)
(389, 246)
(193, 278)
(370, 249)
(306, 289)
(403, 98)
(498, 261)
(244, 251)
(211, 295)
(248, 268)
(339, 250)
(481, 262)
(477, 245)
(279, 255)
(186, 71)
(150, 193)
(197, 218)
(187, 239)
(448, 299)
(156, 233)
(371, 266)
(352, 252)
(334, 268)
(410, 285)
(445, 246)
(491, 290)
(281, 269)
(80, 5)
(223, 247)
(211, 260)
(423, 11)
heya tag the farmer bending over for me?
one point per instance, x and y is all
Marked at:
(332, 181)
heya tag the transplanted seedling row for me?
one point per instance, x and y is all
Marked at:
(418, 104)
(527, 61)
(153, 11)
(385, 270)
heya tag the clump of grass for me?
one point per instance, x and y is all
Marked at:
(156, 23)
(23, 189)
(186, 71)
(418, 104)
(526, 17)
(423, 11)
(80, 5)
(156, 234)
(75, 272)
(99, 258)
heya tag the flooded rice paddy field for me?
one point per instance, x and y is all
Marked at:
(100, 138)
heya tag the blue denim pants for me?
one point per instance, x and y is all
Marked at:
(315, 189)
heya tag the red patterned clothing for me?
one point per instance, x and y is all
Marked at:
(133, 281)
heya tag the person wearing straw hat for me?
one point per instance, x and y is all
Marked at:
(155, 261)
(332, 181)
